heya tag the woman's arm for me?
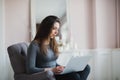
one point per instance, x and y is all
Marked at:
(31, 59)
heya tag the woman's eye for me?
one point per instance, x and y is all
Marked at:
(54, 28)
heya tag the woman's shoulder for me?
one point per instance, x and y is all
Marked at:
(35, 43)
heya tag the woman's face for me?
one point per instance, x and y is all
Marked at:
(55, 29)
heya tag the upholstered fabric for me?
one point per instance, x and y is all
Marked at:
(17, 54)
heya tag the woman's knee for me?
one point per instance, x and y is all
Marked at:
(87, 68)
(84, 74)
(74, 76)
(50, 75)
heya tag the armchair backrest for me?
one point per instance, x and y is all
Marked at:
(17, 54)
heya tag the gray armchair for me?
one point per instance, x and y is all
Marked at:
(17, 55)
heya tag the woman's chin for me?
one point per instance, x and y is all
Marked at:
(52, 37)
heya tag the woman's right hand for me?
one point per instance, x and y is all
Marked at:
(58, 69)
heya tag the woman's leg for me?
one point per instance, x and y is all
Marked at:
(84, 74)
(69, 76)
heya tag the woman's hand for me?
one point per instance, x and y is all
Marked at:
(58, 69)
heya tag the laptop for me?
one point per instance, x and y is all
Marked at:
(76, 63)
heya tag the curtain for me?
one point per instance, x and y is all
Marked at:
(95, 24)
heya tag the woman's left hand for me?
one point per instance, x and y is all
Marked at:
(58, 69)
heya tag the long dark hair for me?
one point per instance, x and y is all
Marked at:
(43, 33)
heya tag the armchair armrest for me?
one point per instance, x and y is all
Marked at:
(47, 75)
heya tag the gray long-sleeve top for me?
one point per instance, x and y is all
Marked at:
(36, 61)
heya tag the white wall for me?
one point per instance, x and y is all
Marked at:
(2, 47)
(116, 64)
(17, 21)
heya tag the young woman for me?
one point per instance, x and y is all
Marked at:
(43, 52)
